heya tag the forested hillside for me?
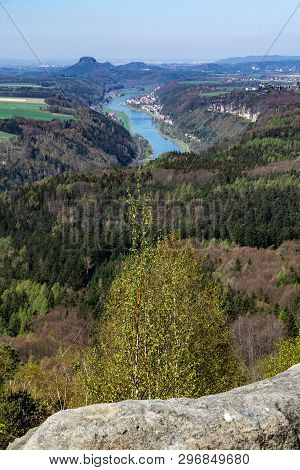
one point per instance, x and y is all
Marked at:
(38, 149)
(205, 113)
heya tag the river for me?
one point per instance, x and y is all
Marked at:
(142, 124)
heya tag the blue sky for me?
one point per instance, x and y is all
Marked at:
(148, 30)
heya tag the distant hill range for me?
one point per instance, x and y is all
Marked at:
(88, 66)
(256, 59)
(149, 73)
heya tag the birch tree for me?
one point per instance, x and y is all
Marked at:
(165, 332)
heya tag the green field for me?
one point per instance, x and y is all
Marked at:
(19, 85)
(5, 136)
(215, 93)
(199, 82)
(29, 108)
(202, 82)
(122, 117)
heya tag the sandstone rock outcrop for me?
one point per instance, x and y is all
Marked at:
(264, 415)
(235, 109)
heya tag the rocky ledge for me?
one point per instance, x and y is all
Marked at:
(264, 415)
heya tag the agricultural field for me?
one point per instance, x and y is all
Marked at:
(121, 117)
(222, 83)
(214, 93)
(5, 136)
(19, 85)
(201, 82)
(28, 108)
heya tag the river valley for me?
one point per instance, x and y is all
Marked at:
(142, 123)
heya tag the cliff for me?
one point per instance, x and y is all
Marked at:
(264, 415)
(235, 109)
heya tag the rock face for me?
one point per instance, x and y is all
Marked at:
(88, 60)
(88, 66)
(236, 110)
(264, 415)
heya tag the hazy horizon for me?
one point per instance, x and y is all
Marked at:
(118, 61)
(155, 32)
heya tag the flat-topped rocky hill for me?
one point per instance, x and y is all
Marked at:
(264, 415)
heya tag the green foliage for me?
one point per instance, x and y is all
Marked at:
(5, 136)
(239, 303)
(18, 414)
(163, 317)
(94, 296)
(288, 354)
(20, 303)
(291, 277)
(140, 216)
(238, 266)
(42, 148)
(44, 245)
(187, 105)
(12, 262)
(57, 382)
(271, 140)
(289, 320)
(18, 411)
(9, 362)
(165, 332)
